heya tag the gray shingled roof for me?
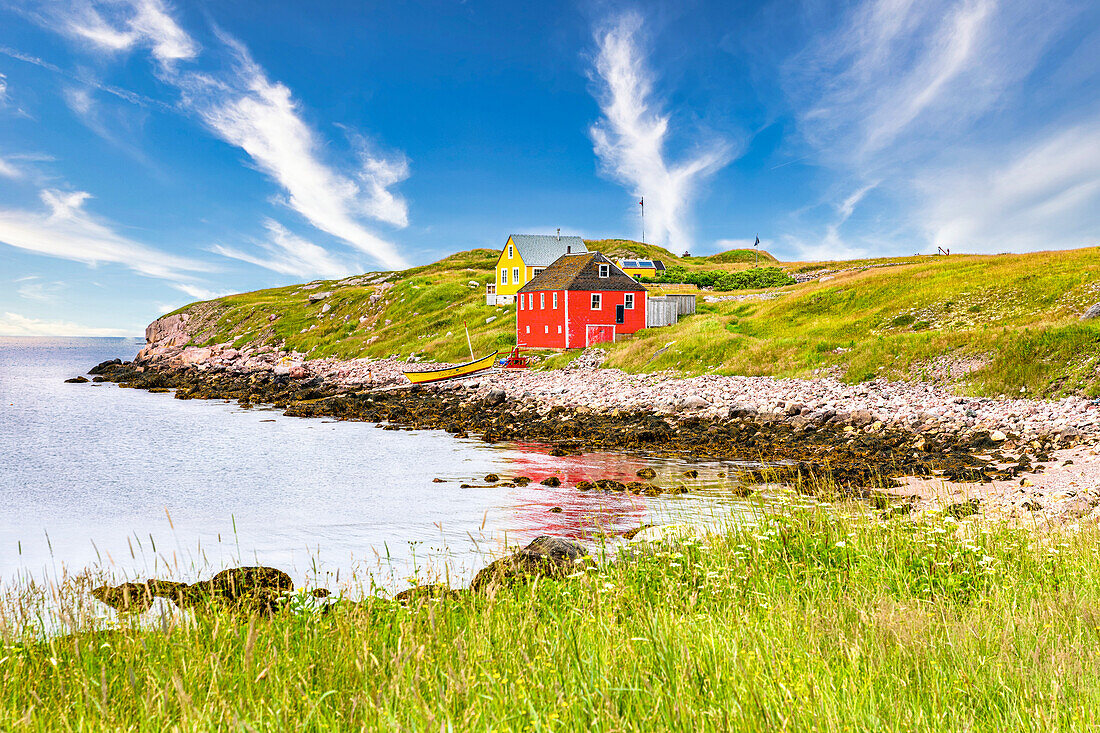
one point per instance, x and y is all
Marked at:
(540, 250)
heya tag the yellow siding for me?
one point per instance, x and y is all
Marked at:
(511, 264)
(636, 271)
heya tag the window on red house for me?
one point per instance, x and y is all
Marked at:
(555, 300)
(595, 301)
(628, 301)
(542, 301)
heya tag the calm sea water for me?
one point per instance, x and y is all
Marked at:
(137, 484)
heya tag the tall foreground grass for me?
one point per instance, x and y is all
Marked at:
(804, 621)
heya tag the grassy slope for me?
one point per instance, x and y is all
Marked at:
(805, 622)
(1017, 312)
(423, 305)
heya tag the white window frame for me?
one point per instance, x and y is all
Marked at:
(605, 270)
(528, 329)
(555, 300)
(521, 302)
(515, 275)
(628, 301)
(596, 303)
(509, 251)
(546, 329)
(542, 301)
(536, 271)
(559, 329)
(504, 276)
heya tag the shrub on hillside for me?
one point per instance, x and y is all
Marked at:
(759, 277)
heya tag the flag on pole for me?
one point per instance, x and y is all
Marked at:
(642, 202)
(757, 241)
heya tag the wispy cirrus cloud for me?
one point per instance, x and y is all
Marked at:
(1041, 194)
(290, 254)
(16, 324)
(901, 92)
(200, 293)
(66, 230)
(245, 108)
(121, 26)
(261, 117)
(631, 137)
(7, 170)
(42, 291)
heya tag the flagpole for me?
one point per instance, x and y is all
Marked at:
(642, 204)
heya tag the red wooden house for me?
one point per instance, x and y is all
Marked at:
(579, 300)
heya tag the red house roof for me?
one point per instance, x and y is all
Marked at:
(581, 272)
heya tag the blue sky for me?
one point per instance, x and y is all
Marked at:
(154, 153)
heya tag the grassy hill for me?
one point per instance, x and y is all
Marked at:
(998, 323)
(418, 311)
(628, 248)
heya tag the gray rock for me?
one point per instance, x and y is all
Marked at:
(549, 556)
(693, 402)
(314, 297)
(496, 396)
(1092, 312)
(862, 417)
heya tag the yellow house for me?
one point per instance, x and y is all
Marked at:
(643, 268)
(523, 257)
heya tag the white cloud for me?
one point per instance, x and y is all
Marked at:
(289, 254)
(262, 118)
(7, 170)
(15, 324)
(926, 101)
(1044, 195)
(200, 293)
(3, 90)
(246, 109)
(67, 231)
(631, 136)
(899, 78)
(43, 292)
(121, 26)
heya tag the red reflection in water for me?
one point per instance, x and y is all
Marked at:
(583, 513)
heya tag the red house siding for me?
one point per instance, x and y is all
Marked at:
(543, 326)
(538, 327)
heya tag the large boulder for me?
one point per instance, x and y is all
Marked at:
(258, 589)
(1092, 312)
(545, 556)
(694, 402)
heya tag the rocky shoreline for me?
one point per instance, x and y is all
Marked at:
(916, 440)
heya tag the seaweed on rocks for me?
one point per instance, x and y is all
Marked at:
(853, 457)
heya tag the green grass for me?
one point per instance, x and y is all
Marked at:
(421, 311)
(1015, 316)
(1011, 320)
(810, 620)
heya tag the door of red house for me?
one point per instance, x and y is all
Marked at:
(620, 315)
(599, 335)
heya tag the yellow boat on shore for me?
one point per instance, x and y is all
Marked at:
(438, 375)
